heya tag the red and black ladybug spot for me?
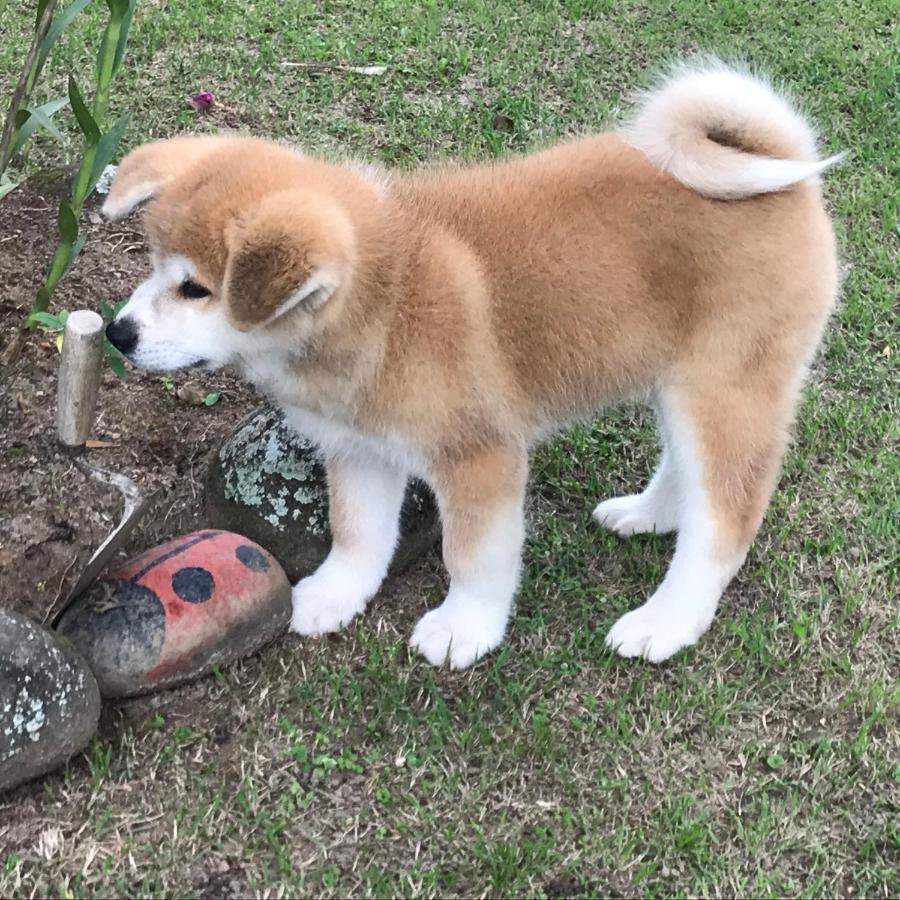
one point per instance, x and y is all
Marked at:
(253, 559)
(193, 584)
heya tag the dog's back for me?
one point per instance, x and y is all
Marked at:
(601, 269)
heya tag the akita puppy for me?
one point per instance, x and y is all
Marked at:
(439, 323)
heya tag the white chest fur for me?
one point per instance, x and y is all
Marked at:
(335, 437)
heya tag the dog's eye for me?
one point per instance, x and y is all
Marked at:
(191, 290)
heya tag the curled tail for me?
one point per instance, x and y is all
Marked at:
(725, 134)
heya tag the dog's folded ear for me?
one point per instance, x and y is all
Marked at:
(294, 250)
(144, 171)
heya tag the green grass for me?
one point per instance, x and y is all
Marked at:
(765, 761)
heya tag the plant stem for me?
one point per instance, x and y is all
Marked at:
(82, 186)
(104, 76)
(57, 267)
(24, 85)
(101, 102)
(82, 179)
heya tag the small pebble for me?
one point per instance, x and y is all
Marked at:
(192, 393)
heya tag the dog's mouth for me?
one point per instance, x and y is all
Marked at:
(154, 359)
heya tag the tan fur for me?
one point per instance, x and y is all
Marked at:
(480, 309)
(471, 492)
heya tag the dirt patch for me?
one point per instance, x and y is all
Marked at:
(51, 516)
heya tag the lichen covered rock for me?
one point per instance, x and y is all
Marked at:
(268, 483)
(49, 701)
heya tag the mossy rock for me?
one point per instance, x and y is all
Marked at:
(268, 483)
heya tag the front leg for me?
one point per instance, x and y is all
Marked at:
(482, 500)
(364, 497)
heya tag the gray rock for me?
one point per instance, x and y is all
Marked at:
(268, 483)
(49, 701)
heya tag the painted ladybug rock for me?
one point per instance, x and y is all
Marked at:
(177, 611)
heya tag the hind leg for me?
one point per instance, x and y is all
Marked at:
(656, 509)
(724, 458)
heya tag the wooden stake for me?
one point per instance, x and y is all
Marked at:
(79, 377)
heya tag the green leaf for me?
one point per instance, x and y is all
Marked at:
(67, 223)
(41, 115)
(46, 321)
(123, 36)
(6, 185)
(73, 254)
(115, 361)
(60, 22)
(106, 150)
(774, 760)
(212, 398)
(109, 55)
(83, 115)
(111, 310)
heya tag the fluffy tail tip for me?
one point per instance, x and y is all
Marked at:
(725, 133)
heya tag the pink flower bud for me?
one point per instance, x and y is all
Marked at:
(202, 101)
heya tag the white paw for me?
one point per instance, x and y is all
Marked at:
(633, 514)
(327, 601)
(459, 634)
(656, 631)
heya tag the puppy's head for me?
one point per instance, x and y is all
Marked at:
(246, 257)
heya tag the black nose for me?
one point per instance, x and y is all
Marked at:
(122, 334)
